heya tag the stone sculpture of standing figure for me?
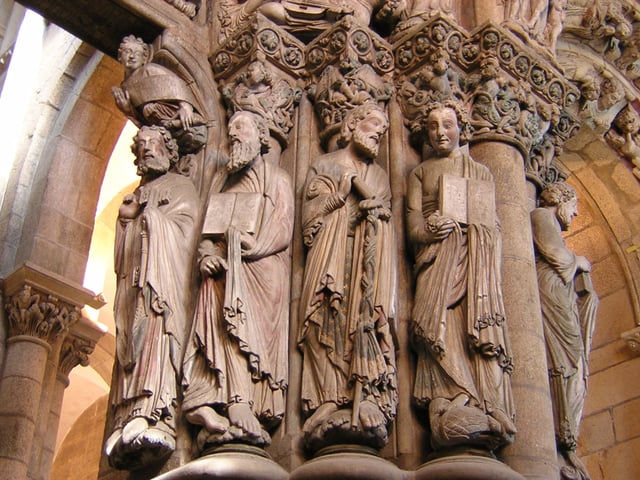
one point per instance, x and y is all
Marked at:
(155, 244)
(235, 371)
(569, 307)
(458, 318)
(347, 302)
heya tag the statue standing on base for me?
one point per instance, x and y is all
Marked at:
(458, 318)
(347, 303)
(569, 307)
(155, 244)
(235, 370)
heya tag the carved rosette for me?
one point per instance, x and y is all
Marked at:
(75, 351)
(512, 94)
(350, 65)
(39, 315)
(258, 35)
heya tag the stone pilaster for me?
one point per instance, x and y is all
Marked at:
(41, 308)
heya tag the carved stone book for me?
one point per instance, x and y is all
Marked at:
(467, 201)
(240, 210)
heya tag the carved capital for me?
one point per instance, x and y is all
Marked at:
(258, 34)
(39, 314)
(350, 65)
(42, 304)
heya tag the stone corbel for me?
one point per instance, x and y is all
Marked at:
(77, 346)
(42, 304)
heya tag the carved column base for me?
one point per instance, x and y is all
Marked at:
(348, 462)
(232, 462)
(466, 467)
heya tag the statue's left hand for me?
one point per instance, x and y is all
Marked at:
(186, 115)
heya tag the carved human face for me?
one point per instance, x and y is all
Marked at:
(367, 133)
(256, 73)
(443, 130)
(566, 211)
(245, 142)
(152, 156)
(132, 56)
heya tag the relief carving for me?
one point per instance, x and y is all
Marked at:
(348, 298)
(458, 319)
(151, 94)
(236, 363)
(155, 243)
(569, 307)
(624, 136)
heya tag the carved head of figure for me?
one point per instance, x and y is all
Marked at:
(446, 127)
(489, 67)
(156, 151)
(248, 138)
(563, 198)
(258, 73)
(363, 128)
(133, 53)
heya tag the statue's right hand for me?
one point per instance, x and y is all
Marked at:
(344, 187)
(212, 265)
(438, 227)
(122, 99)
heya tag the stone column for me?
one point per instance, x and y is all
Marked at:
(534, 452)
(40, 309)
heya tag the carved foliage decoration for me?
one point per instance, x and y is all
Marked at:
(75, 351)
(258, 35)
(39, 315)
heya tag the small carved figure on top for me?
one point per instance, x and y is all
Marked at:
(306, 19)
(458, 318)
(154, 248)
(236, 360)
(348, 295)
(260, 91)
(151, 94)
(569, 307)
(189, 8)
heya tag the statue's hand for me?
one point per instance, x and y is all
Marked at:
(122, 99)
(344, 187)
(438, 227)
(186, 115)
(129, 208)
(370, 204)
(212, 265)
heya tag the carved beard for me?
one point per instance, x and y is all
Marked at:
(564, 215)
(243, 152)
(368, 146)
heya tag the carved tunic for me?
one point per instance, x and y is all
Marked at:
(339, 344)
(238, 349)
(567, 327)
(458, 313)
(153, 258)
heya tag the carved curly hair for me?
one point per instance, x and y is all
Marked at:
(354, 116)
(556, 193)
(461, 114)
(169, 142)
(132, 39)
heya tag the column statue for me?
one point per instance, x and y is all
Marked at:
(348, 295)
(154, 247)
(569, 307)
(235, 370)
(458, 318)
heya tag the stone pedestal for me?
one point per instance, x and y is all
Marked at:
(348, 462)
(465, 467)
(231, 463)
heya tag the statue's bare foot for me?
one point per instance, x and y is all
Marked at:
(208, 418)
(320, 415)
(133, 429)
(241, 416)
(370, 415)
(507, 424)
(154, 437)
(113, 439)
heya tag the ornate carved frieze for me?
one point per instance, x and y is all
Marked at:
(513, 94)
(258, 34)
(38, 314)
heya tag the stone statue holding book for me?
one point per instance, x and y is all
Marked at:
(569, 307)
(458, 319)
(235, 368)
